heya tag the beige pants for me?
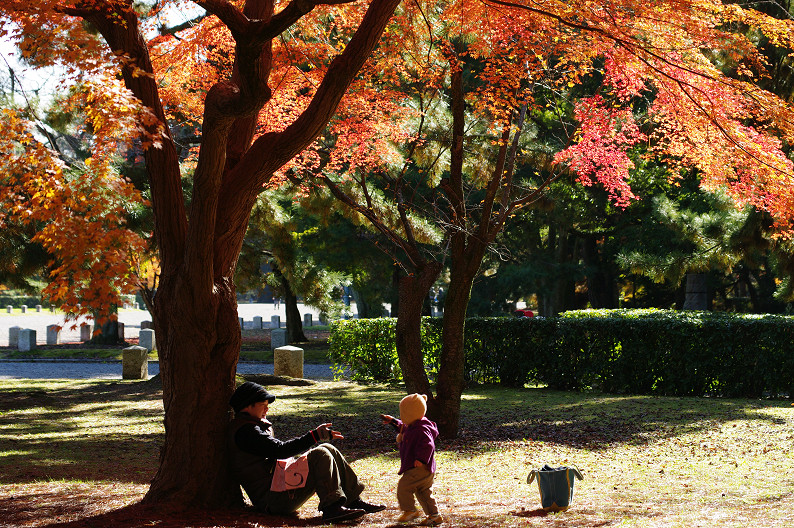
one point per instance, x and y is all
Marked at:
(417, 482)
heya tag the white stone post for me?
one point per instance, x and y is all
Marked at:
(27, 340)
(53, 335)
(275, 321)
(147, 340)
(278, 338)
(135, 363)
(288, 361)
(13, 336)
(257, 322)
(85, 332)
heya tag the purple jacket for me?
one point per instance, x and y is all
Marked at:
(418, 443)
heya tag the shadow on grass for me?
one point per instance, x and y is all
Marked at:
(52, 435)
(491, 415)
(18, 510)
(44, 447)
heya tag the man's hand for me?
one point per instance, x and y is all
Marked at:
(324, 433)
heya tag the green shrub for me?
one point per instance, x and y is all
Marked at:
(624, 351)
(366, 348)
(17, 301)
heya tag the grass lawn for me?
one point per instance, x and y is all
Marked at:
(75, 452)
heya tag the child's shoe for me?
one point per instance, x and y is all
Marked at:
(408, 516)
(432, 520)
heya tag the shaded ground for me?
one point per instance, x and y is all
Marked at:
(80, 454)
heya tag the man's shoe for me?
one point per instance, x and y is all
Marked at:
(359, 504)
(337, 514)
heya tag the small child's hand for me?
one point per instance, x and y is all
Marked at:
(418, 464)
(387, 419)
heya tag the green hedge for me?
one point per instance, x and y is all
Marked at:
(623, 351)
(17, 301)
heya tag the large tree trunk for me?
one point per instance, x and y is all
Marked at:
(560, 288)
(413, 290)
(108, 328)
(199, 344)
(294, 323)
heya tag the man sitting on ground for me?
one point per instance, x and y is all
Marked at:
(279, 476)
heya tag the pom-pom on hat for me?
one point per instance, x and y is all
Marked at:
(248, 393)
(412, 408)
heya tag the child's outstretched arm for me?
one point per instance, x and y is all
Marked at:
(391, 420)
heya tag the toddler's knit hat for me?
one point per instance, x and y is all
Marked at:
(413, 407)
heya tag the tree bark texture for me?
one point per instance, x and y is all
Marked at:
(445, 409)
(294, 322)
(413, 289)
(602, 290)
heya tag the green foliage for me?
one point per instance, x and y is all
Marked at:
(18, 300)
(366, 347)
(661, 352)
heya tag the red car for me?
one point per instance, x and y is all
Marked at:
(525, 312)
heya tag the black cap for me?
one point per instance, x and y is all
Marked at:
(248, 393)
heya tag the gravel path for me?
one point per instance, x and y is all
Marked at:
(80, 369)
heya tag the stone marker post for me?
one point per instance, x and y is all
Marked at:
(147, 340)
(275, 321)
(27, 340)
(288, 361)
(257, 322)
(278, 338)
(9, 309)
(24, 308)
(13, 336)
(307, 319)
(121, 331)
(135, 363)
(85, 332)
(53, 335)
(242, 322)
(146, 324)
(38, 308)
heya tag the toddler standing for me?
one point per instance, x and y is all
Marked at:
(417, 442)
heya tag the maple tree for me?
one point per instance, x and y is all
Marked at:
(76, 211)
(475, 74)
(220, 72)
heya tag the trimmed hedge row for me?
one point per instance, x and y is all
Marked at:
(661, 352)
(17, 301)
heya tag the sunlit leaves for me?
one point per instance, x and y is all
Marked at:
(601, 153)
(80, 217)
